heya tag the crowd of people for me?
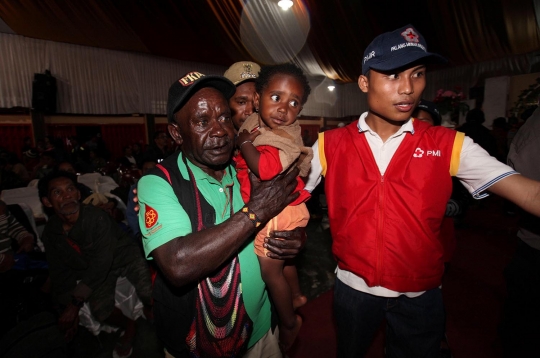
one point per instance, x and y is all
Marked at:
(222, 219)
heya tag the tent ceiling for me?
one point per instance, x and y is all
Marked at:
(327, 38)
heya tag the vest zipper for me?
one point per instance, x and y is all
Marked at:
(380, 233)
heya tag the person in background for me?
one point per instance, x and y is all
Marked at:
(157, 151)
(243, 75)
(27, 144)
(500, 133)
(15, 243)
(12, 234)
(474, 129)
(66, 166)
(521, 313)
(269, 142)
(87, 252)
(128, 160)
(14, 165)
(30, 159)
(427, 111)
(96, 161)
(137, 153)
(47, 161)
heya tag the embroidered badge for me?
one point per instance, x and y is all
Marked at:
(410, 35)
(150, 217)
(247, 73)
(190, 78)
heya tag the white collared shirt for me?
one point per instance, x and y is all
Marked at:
(477, 171)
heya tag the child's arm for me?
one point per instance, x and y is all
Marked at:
(244, 141)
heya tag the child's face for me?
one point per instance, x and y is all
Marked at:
(280, 101)
(394, 95)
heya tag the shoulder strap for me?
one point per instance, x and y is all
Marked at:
(174, 307)
(168, 170)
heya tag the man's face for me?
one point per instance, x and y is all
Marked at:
(63, 196)
(424, 116)
(161, 140)
(280, 101)
(241, 103)
(394, 95)
(204, 129)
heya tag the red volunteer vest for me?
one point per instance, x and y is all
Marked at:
(385, 229)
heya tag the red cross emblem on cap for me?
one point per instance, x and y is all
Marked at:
(410, 35)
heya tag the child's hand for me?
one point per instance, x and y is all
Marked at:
(246, 136)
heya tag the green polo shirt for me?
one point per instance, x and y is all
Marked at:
(162, 219)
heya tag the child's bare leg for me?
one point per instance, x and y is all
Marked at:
(291, 275)
(289, 322)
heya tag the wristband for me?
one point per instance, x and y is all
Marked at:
(244, 142)
(77, 302)
(251, 216)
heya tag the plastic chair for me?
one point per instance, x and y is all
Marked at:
(28, 196)
(106, 184)
(91, 180)
(33, 182)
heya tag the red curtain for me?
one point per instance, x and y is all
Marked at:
(117, 136)
(161, 127)
(63, 132)
(12, 136)
(310, 133)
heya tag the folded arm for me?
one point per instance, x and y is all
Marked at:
(196, 255)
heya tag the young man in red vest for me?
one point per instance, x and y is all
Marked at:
(388, 178)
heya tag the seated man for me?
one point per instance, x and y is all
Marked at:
(87, 252)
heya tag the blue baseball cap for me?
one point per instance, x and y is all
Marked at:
(398, 48)
(431, 108)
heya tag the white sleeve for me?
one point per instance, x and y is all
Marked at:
(314, 177)
(478, 170)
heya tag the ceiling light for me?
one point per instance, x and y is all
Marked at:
(285, 4)
(331, 88)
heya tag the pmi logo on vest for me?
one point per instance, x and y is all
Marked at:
(419, 153)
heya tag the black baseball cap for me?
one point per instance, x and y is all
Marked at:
(182, 90)
(398, 48)
(431, 108)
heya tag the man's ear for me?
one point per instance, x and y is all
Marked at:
(256, 101)
(45, 201)
(174, 131)
(363, 83)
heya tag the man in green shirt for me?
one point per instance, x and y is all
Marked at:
(209, 298)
